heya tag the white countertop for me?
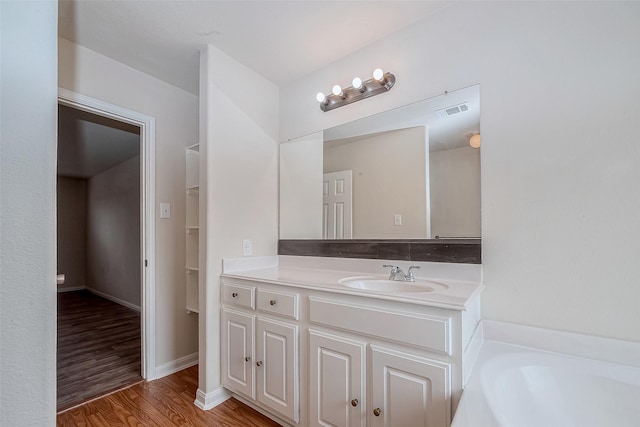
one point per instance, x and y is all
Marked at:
(463, 281)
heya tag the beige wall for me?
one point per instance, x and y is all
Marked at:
(455, 192)
(71, 207)
(28, 114)
(560, 199)
(113, 232)
(388, 179)
(176, 123)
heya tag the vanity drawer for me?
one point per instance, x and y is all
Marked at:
(281, 303)
(427, 331)
(239, 295)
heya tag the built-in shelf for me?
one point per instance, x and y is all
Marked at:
(192, 227)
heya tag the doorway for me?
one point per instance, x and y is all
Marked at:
(114, 284)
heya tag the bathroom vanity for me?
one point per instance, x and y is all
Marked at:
(326, 341)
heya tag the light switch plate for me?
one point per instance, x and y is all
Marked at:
(165, 210)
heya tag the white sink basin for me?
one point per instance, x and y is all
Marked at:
(377, 284)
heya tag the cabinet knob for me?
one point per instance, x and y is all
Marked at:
(377, 412)
(272, 302)
(246, 359)
(235, 294)
(354, 402)
(259, 363)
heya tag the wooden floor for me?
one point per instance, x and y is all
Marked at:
(164, 402)
(98, 347)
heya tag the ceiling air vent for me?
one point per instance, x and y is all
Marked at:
(454, 109)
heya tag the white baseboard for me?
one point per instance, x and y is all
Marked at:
(592, 347)
(71, 288)
(176, 365)
(206, 401)
(114, 299)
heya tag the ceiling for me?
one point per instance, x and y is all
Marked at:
(89, 144)
(281, 40)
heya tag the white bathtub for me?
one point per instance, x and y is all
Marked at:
(513, 386)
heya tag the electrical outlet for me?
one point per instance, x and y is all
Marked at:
(247, 249)
(165, 210)
(397, 219)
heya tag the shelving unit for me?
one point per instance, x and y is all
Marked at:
(192, 226)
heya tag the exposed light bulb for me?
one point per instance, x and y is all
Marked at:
(475, 141)
(320, 97)
(337, 90)
(378, 74)
(357, 83)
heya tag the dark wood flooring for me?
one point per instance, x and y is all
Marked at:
(98, 347)
(164, 402)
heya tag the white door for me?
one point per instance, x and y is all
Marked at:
(408, 390)
(337, 386)
(277, 366)
(237, 359)
(337, 205)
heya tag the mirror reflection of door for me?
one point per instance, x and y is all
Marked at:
(337, 205)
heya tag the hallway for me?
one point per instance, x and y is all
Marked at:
(98, 347)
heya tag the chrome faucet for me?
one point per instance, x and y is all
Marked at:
(397, 272)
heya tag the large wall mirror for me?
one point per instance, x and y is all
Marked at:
(407, 173)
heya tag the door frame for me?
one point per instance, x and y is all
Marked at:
(147, 202)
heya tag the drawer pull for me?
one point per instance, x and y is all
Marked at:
(259, 363)
(377, 412)
(235, 294)
(354, 402)
(272, 302)
(246, 359)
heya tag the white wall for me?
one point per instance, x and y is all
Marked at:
(559, 93)
(239, 130)
(388, 179)
(454, 176)
(176, 117)
(71, 226)
(113, 232)
(301, 188)
(28, 116)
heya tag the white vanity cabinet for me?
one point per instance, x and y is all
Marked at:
(237, 339)
(260, 351)
(408, 390)
(405, 389)
(406, 386)
(337, 380)
(325, 358)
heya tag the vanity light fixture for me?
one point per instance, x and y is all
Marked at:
(474, 141)
(380, 82)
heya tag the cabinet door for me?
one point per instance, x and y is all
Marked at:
(277, 366)
(237, 355)
(408, 390)
(336, 381)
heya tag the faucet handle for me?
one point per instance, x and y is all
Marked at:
(395, 270)
(410, 272)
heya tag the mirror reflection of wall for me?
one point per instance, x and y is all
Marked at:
(413, 175)
(388, 179)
